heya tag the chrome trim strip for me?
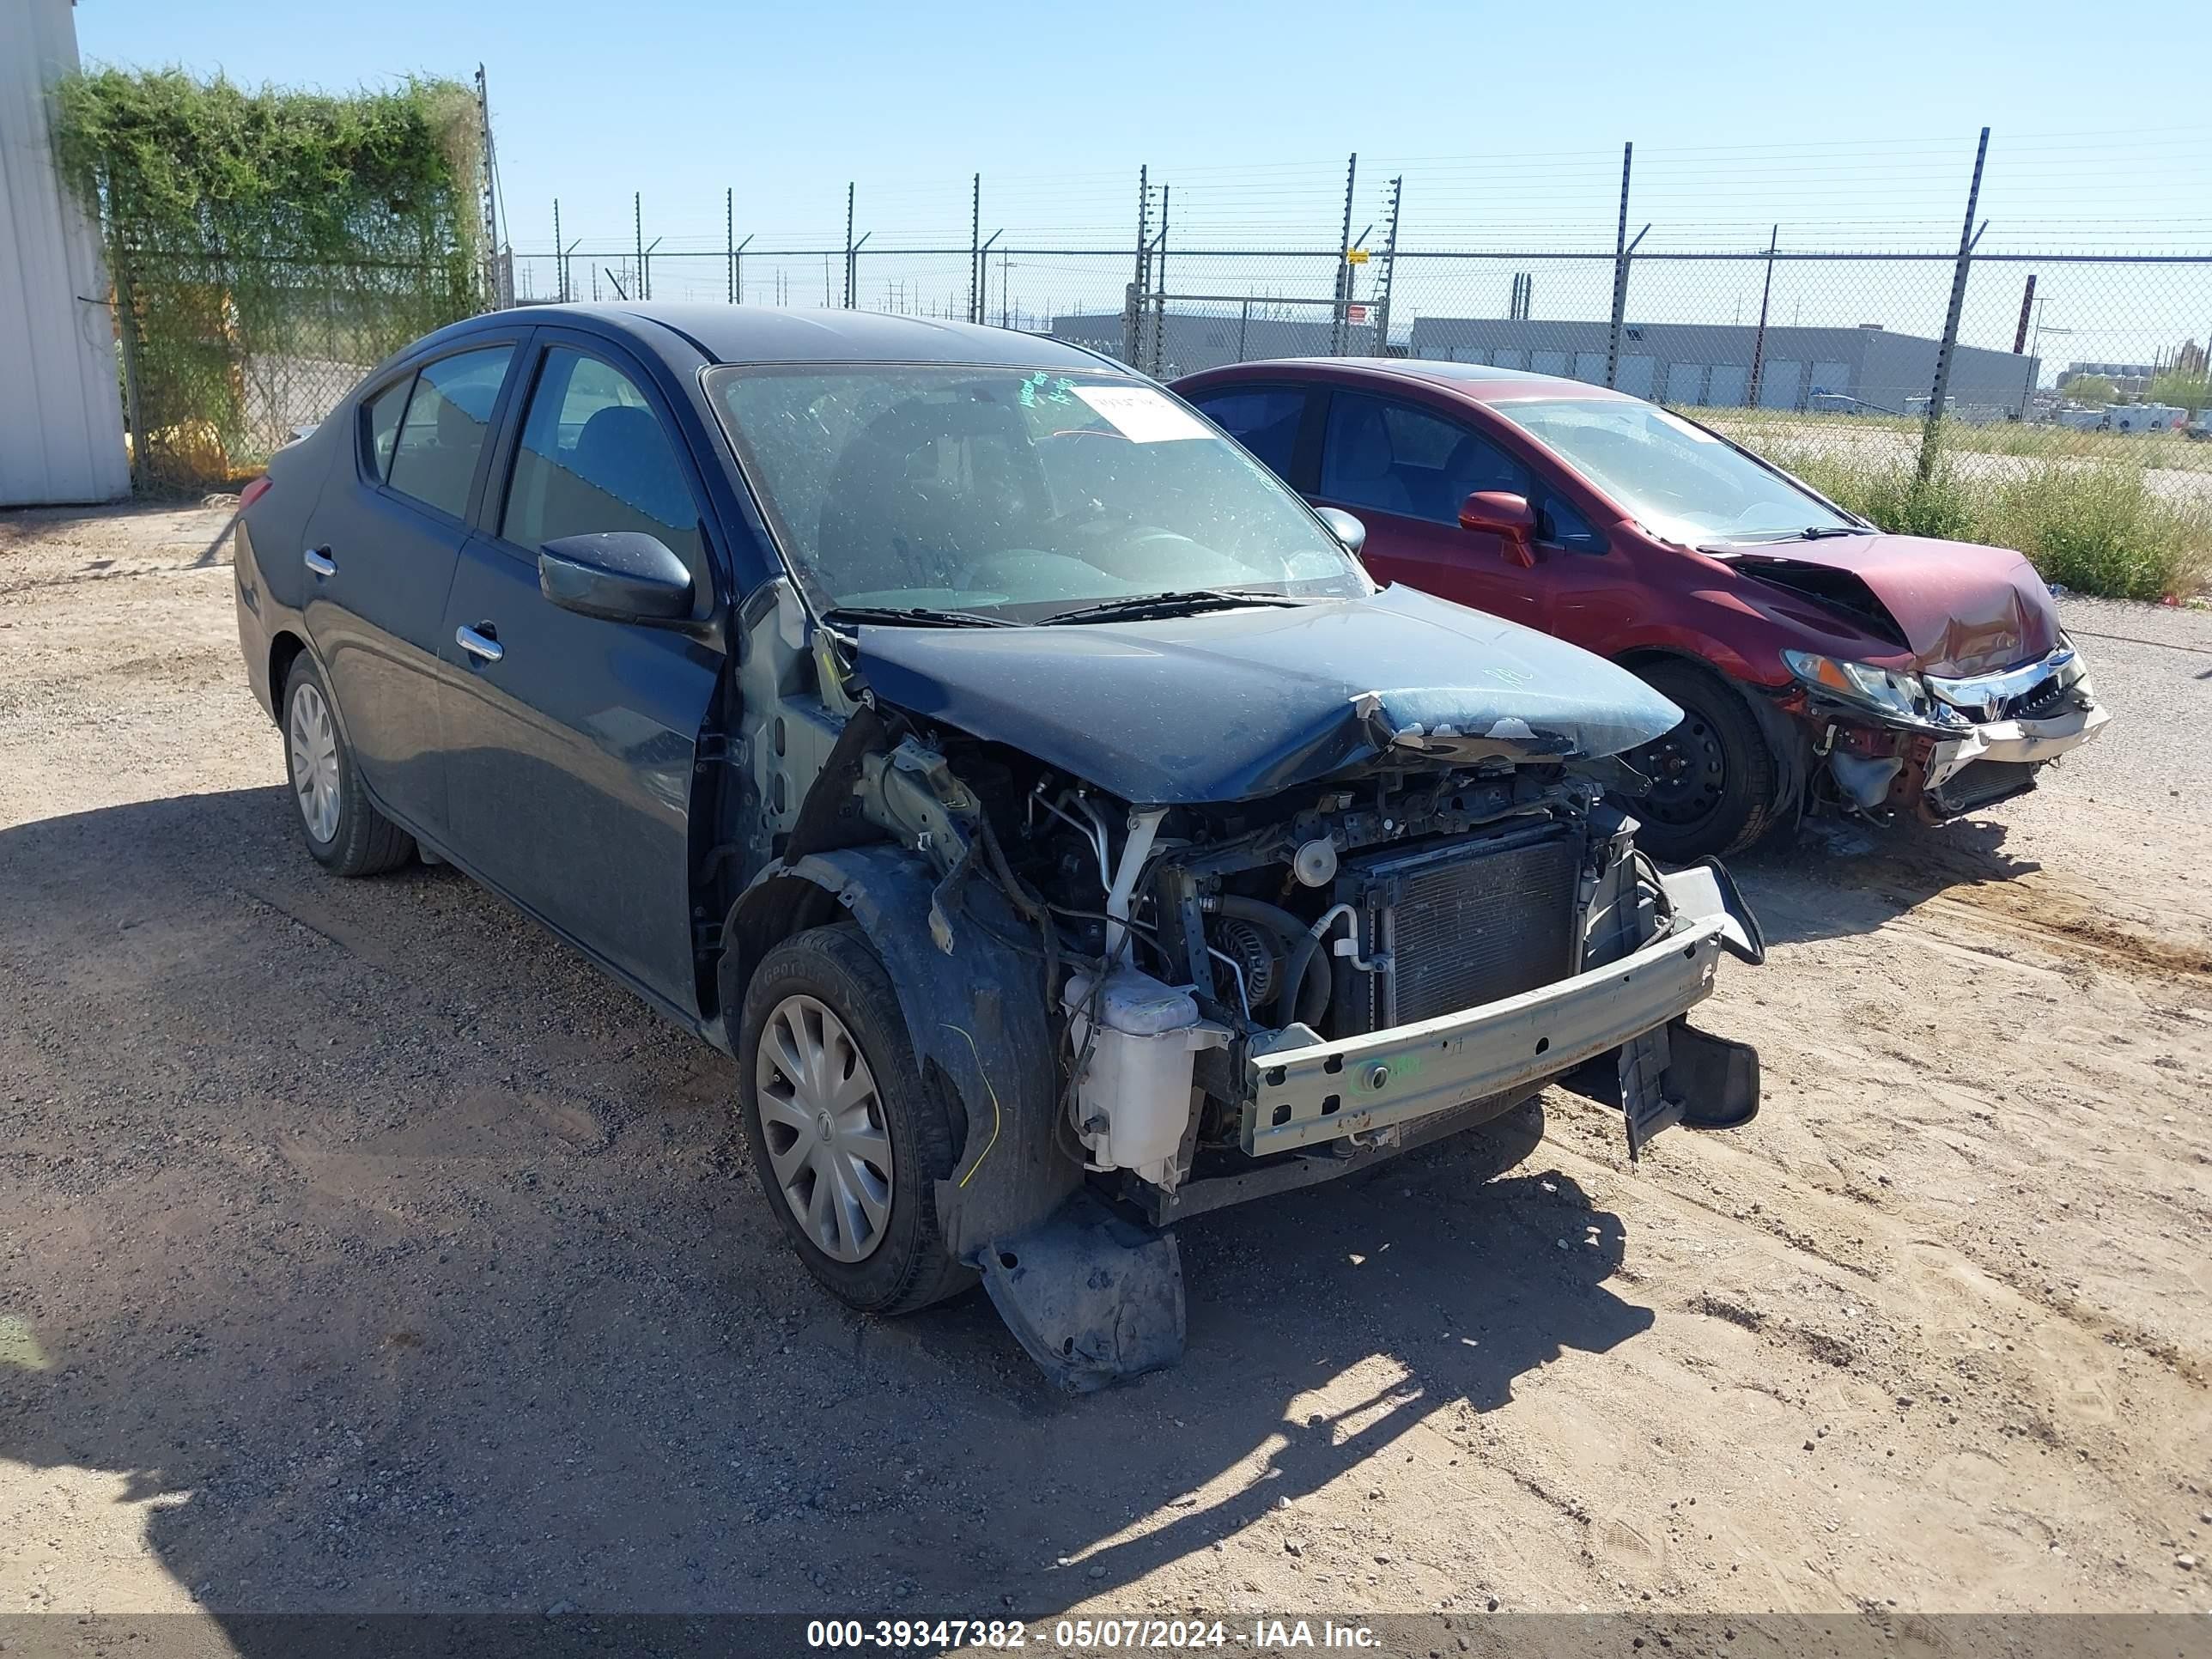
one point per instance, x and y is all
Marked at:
(1983, 693)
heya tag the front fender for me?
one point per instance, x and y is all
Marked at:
(976, 1015)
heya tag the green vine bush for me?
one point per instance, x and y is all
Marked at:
(267, 246)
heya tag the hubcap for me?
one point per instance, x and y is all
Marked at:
(823, 1123)
(1688, 770)
(314, 762)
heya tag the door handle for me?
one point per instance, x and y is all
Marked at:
(480, 641)
(318, 560)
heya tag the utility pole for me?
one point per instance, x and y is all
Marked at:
(1967, 237)
(637, 224)
(976, 251)
(1759, 340)
(730, 236)
(848, 245)
(560, 259)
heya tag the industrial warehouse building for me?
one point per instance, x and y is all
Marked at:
(61, 416)
(1686, 364)
(1191, 340)
(1689, 364)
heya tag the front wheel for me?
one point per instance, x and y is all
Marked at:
(847, 1137)
(1712, 776)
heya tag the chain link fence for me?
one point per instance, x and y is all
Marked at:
(2057, 401)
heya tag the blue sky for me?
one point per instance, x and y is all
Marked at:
(1864, 111)
(1853, 125)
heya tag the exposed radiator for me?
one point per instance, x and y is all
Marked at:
(1982, 783)
(1466, 924)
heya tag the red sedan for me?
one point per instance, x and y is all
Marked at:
(1819, 663)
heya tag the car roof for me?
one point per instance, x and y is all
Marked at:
(793, 334)
(1482, 382)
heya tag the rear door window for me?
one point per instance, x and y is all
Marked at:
(442, 434)
(594, 456)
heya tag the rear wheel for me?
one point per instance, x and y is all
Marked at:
(1712, 776)
(847, 1139)
(346, 834)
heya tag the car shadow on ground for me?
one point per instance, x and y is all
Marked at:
(1832, 879)
(409, 1265)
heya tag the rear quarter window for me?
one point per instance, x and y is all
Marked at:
(380, 425)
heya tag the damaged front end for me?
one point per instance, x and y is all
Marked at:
(1301, 927)
(1890, 740)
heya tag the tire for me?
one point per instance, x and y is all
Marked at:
(346, 834)
(1712, 776)
(889, 1261)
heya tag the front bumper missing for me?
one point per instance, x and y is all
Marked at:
(1321, 1091)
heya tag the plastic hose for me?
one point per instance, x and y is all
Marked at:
(1304, 996)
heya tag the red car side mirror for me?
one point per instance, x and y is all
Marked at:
(1509, 517)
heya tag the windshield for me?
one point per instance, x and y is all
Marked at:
(1677, 479)
(1013, 493)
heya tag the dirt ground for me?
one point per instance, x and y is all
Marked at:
(363, 1249)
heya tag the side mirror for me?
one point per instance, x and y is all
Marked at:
(1509, 517)
(619, 576)
(1344, 527)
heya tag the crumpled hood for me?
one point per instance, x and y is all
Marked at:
(1964, 609)
(1228, 705)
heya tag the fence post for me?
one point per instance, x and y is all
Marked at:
(1160, 284)
(975, 251)
(1389, 272)
(1759, 340)
(1338, 312)
(1133, 307)
(849, 272)
(637, 224)
(1942, 385)
(133, 408)
(1619, 274)
(730, 236)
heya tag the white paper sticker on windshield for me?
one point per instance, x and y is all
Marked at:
(1140, 414)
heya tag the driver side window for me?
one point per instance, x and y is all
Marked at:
(593, 457)
(1394, 458)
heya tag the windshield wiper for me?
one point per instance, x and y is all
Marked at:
(1811, 533)
(1178, 602)
(915, 615)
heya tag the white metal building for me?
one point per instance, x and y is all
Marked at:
(60, 414)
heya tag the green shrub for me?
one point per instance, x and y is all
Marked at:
(2103, 529)
(1894, 495)
(247, 231)
(2097, 527)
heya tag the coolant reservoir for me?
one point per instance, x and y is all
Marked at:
(1135, 1100)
